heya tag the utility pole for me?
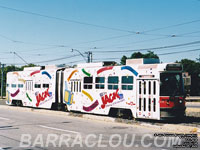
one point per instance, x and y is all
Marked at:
(2, 76)
(89, 56)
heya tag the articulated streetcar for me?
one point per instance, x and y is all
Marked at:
(143, 88)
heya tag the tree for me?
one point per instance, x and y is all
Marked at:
(29, 65)
(137, 55)
(190, 66)
(149, 54)
(193, 68)
(123, 60)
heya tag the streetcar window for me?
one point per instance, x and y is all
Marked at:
(154, 87)
(149, 87)
(74, 86)
(20, 85)
(100, 81)
(71, 86)
(145, 87)
(140, 104)
(154, 104)
(45, 85)
(13, 85)
(144, 104)
(29, 85)
(37, 85)
(77, 86)
(149, 104)
(127, 82)
(113, 83)
(88, 82)
(140, 89)
(80, 86)
(171, 84)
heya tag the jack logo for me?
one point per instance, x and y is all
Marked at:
(42, 97)
(109, 98)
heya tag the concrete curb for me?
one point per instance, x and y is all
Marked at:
(165, 128)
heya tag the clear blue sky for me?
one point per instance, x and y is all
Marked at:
(98, 26)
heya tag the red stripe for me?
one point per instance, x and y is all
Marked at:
(167, 102)
(104, 69)
(15, 94)
(37, 71)
(91, 107)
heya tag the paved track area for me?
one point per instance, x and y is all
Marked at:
(72, 133)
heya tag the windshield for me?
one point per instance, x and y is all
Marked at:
(171, 84)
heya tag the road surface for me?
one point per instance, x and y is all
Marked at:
(23, 130)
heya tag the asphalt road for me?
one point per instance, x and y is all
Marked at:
(25, 130)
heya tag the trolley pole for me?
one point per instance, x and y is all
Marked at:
(2, 76)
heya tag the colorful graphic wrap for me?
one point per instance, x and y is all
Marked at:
(28, 97)
(35, 72)
(43, 96)
(22, 80)
(8, 96)
(130, 69)
(86, 73)
(46, 73)
(91, 107)
(15, 94)
(111, 99)
(88, 95)
(70, 76)
(68, 95)
(104, 69)
(130, 103)
(16, 73)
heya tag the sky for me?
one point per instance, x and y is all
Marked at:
(44, 32)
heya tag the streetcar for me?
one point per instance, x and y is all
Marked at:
(143, 88)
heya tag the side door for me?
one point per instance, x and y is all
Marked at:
(147, 101)
(59, 95)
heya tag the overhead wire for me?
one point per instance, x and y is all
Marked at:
(178, 52)
(146, 49)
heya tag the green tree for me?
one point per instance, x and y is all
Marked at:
(29, 65)
(137, 55)
(193, 68)
(190, 66)
(123, 60)
(149, 54)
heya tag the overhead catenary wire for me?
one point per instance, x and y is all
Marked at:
(178, 52)
(171, 26)
(149, 49)
(146, 32)
(66, 20)
(56, 59)
(109, 38)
